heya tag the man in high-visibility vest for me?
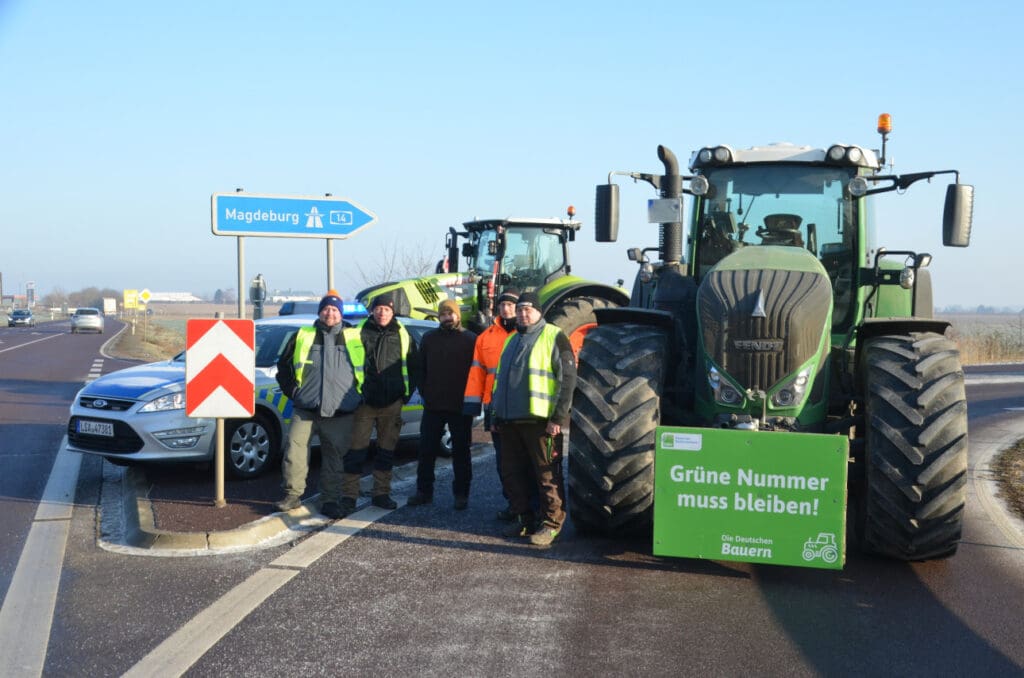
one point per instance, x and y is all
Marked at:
(532, 399)
(316, 374)
(480, 382)
(386, 364)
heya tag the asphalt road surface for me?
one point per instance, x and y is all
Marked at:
(427, 590)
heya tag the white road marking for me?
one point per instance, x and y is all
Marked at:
(27, 612)
(187, 645)
(27, 343)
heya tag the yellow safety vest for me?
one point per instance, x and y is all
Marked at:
(304, 339)
(542, 380)
(357, 353)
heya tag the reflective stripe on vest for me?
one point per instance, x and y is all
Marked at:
(304, 339)
(357, 353)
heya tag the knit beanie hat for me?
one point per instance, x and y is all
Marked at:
(529, 299)
(383, 300)
(451, 306)
(330, 299)
(508, 295)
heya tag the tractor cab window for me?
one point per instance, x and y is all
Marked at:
(531, 257)
(485, 243)
(782, 205)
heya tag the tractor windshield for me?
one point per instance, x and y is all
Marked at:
(796, 205)
(532, 257)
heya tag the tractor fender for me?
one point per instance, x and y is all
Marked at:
(569, 286)
(875, 327)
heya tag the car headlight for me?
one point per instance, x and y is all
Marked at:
(172, 401)
(792, 391)
(725, 393)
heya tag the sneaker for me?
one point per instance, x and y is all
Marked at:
(520, 527)
(288, 503)
(348, 505)
(332, 510)
(419, 499)
(385, 502)
(506, 515)
(544, 535)
(461, 503)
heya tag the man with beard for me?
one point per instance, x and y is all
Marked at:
(316, 374)
(445, 356)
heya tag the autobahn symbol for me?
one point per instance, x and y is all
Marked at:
(220, 368)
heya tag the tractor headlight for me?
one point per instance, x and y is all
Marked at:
(857, 187)
(699, 185)
(791, 392)
(725, 393)
(646, 272)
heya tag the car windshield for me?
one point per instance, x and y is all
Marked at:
(87, 311)
(20, 314)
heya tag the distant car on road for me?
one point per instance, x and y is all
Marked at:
(296, 307)
(138, 414)
(86, 318)
(21, 317)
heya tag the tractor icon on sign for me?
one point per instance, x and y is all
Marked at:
(823, 546)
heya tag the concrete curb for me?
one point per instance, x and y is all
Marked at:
(140, 531)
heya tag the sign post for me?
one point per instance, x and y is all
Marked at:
(220, 378)
(751, 496)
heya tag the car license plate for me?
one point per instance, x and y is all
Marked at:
(96, 428)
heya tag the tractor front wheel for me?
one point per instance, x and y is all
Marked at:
(915, 471)
(616, 408)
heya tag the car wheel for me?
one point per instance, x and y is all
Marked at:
(250, 448)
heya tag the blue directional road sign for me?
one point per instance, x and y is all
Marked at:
(287, 216)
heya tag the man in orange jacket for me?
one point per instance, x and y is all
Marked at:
(480, 383)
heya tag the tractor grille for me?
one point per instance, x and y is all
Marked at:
(428, 290)
(758, 351)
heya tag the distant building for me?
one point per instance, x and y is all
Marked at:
(174, 297)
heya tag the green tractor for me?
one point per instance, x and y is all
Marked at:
(500, 254)
(791, 318)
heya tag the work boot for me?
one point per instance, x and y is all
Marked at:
(544, 535)
(350, 484)
(461, 502)
(385, 502)
(332, 510)
(521, 526)
(419, 499)
(292, 501)
(348, 506)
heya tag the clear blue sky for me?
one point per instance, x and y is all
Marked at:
(119, 119)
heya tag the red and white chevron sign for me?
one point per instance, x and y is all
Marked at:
(220, 368)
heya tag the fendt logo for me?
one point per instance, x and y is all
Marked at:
(758, 345)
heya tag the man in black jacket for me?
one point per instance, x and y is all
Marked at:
(445, 354)
(316, 374)
(386, 362)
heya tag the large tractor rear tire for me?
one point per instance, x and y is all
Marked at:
(913, 493)
(575, 316)
(616, 408)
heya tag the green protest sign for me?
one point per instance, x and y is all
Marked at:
(753, 496)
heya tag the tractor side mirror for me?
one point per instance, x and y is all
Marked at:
(606, 213)
(958, 215)
(468, 250)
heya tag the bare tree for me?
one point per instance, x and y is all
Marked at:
(395, 262)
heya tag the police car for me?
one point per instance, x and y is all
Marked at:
(138, 414)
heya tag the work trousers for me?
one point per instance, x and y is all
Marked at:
(387, 419)
(531, 458)
(431, 430)
(335, 434)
